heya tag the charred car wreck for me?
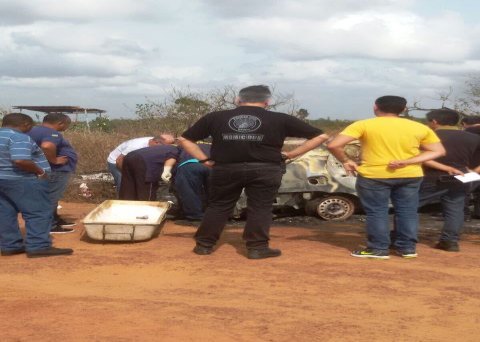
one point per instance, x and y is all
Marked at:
(318, 183)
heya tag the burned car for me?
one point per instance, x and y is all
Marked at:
(318, 183)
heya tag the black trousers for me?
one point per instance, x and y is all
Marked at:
(133, 186)
(260, 181)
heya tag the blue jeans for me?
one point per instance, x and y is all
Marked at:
(375, 194)
(57, 183)
(191, 183)
(451, 195)
(30, 198)
(117, 175)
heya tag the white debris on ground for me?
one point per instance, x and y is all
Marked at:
(85, 191)
(98, 176)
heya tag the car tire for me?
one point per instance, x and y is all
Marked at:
(331, 208)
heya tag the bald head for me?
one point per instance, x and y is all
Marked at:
(162, 139)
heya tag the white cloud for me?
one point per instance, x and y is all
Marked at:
(325, 51)
(288, 9)
(180, 73)
(452, 69)
(369, 34)
(27, 11)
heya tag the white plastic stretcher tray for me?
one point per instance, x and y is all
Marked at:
(116, 220)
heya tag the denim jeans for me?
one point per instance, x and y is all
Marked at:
(375, 194)
(117, 175)
(191, 186)
(30, 198)
(451, 195)
(260, 181)
(57, 183)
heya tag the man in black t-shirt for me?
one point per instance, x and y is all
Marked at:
(472, 124)
(245, 155)
(439, 183)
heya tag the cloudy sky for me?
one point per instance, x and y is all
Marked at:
(335, 56)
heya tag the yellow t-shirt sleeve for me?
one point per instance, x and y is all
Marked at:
(355, 130)
(430, 137)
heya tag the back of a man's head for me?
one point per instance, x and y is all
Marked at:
(16, 120)
(56, 118)
(470, 120)
(254, 94)
(162, 139)
(391, 104)
(443, 117)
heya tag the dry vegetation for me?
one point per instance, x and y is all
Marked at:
(94, 145)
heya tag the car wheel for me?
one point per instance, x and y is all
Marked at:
(331, 208)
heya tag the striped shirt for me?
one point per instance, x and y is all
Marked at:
(15, 145)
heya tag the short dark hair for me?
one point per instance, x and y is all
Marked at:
(255, 94)
(53, 118)
(444, 117)
(470, 120)
(16, 120)
(391, 104)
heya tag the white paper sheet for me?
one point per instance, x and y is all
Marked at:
(468, 177)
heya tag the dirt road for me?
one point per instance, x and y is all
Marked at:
(160, 291)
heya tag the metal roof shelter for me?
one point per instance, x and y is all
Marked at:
(64, 109)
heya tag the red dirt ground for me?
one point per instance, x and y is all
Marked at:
(160, 291)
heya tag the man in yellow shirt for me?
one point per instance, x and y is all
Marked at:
(393, 149)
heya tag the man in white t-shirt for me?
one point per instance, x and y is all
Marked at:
(115, 158)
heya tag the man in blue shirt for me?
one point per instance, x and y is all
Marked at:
(63, 161)
(142, 169)
(191, 184)
(24, 189)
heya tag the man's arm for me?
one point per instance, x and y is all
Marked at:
(430, 152)
(50, 151)
(29, 166)
(442, 167)
(307, 145)
(192, 148)
(336, 147)
(167, 169)
(119, 161)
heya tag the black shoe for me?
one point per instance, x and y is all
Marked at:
(202, 250)
(65, 224)
(52, 251)
(449, 246)
(13, 252)
(59, 230)
(263, 253)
